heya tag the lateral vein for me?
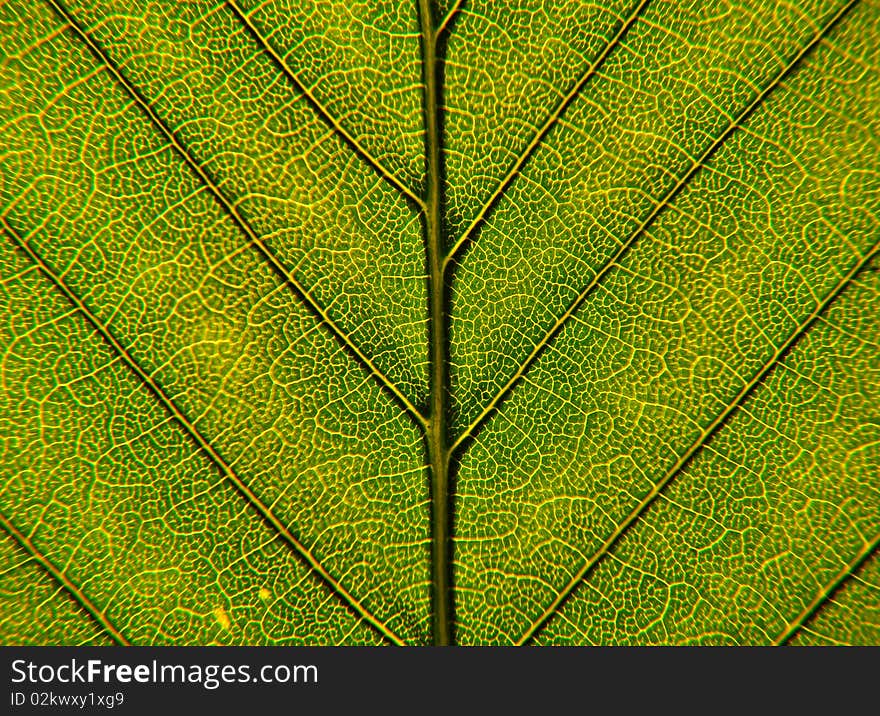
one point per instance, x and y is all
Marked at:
(450, 16)
(515, 168)
(661, 204)
(704, 436)
(195, 434)
(827, 591)
(321, 109)
(59, 576)
(314, 307)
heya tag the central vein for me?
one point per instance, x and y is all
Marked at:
(438, 448)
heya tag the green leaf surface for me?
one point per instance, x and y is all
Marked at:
(470, 322)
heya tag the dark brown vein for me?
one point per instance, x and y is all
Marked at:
(264, 510)
(551, 121)
(827, 591)
(314, 307)
(321, 109)
(59, 576)
(640, 229)
(701, 440)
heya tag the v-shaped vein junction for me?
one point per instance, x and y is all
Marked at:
(443, 256)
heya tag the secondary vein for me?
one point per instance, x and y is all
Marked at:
(545, 128)
(661, 204)
(450, 16)
(59, 576)
(314, 307)
(195, 434)
(707, 432)
(321, 109)
(827, 591)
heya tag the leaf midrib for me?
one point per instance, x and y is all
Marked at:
(435, 425)
(437, 447)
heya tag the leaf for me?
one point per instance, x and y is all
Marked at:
(355, 323)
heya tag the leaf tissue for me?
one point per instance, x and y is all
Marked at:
(440, 321)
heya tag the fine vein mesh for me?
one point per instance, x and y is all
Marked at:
(115, 495)
(94, 188)
(672, 85)
(348, 235)
(777, 504)
(693, 313)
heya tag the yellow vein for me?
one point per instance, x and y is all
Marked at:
(64, 581)
(826, 592)
(542, 132)
(321, 109)
(196, 435)
(658, 207)
(233, 212)
(707, 432)
(444, 24)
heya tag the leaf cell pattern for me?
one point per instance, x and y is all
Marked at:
(532, 322)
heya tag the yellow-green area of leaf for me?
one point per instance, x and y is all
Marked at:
(468, 322)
